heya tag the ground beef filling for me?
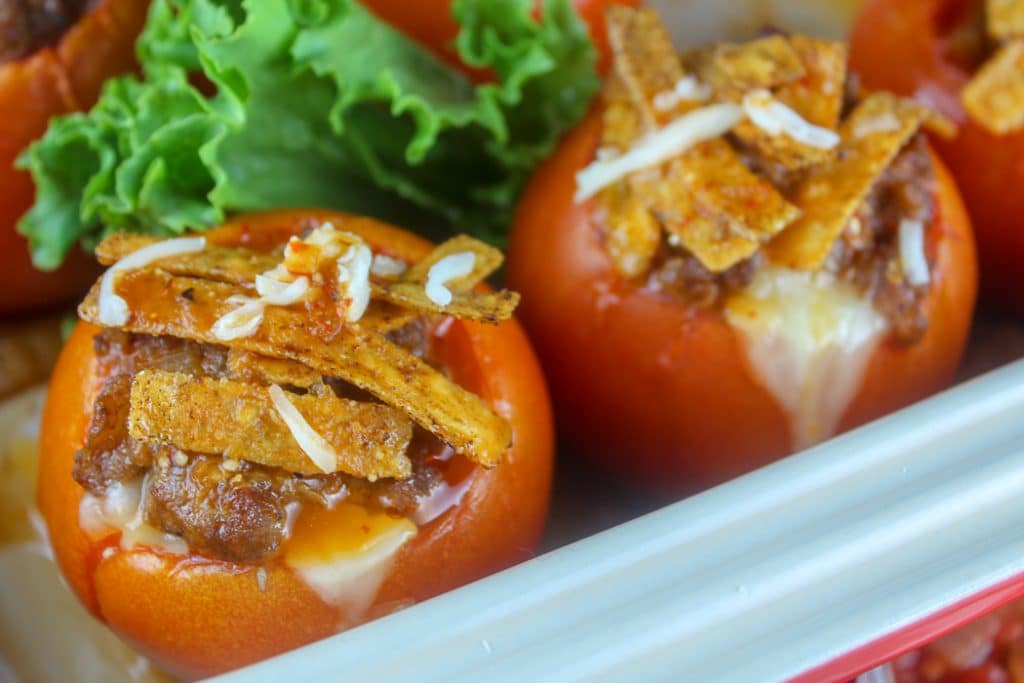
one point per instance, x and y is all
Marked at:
(229, 510)
(28, 25)
(867, 254)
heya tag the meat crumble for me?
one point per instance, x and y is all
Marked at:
(867, 254)
(225, 509)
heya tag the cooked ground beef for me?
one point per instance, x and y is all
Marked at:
(28, 25)
(867, 255)
(229, 510)
(682, 275)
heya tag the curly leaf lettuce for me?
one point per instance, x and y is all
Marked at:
(256, 104)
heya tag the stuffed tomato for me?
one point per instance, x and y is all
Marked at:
(737, 255)
(289, 426)
(966, 59)
(55, 58)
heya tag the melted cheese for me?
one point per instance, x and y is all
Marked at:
(121, 510)
(441, 499)
(808, 339)
(344, 554)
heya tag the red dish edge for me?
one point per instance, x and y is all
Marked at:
(890, 646)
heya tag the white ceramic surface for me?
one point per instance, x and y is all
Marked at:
(757, 580)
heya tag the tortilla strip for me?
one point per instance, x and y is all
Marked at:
(488, 260)
(240, 266)
(1005, 18)
(214, 416)
(872, 136)
(491, 307)
(257, 369)
(488, 307)
(817, 97)
(736, 210)
(355, 354)
(645, 62)
(236, 265)
(634, 234)
(995, 96)
(709, 200)
(733, 70)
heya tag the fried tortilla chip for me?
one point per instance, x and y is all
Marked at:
(239, 420)
(634, 235)
(646, 63)
(240, 266)
(492, 307)
(355, 354)
(717, 208)
(1005, 18)
(488, 307)
(488, 260)
(708, 200)
(938, 123)
(817, 97)
(733, 70)
(995, 96)
(646, 67)
(237, 265)
(872, 136)
(621, 119)
(257, 369)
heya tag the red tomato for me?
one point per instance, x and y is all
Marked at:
(660, 393)
(430, 23)
(905, 46)
(197, 619)
(53, 81)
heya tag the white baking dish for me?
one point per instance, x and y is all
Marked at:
(817, 567)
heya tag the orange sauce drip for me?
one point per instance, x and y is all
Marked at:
(322, 535)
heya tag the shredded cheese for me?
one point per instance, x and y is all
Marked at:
(311, 443)
(447, 269)
(113, 309)
(247, 318)
(887, 122)
(775, 118)
(912, 257)
(655, 148)
(327, 238)
(354, 270)
(274, 292)
(241, 322)
(687, 89)
(385, 266)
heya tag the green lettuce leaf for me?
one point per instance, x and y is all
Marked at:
(256, 104)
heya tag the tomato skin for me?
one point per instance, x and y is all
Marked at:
(55, 80)
(430, 23)
(196, 617)
(659, 394)
(987, 168)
